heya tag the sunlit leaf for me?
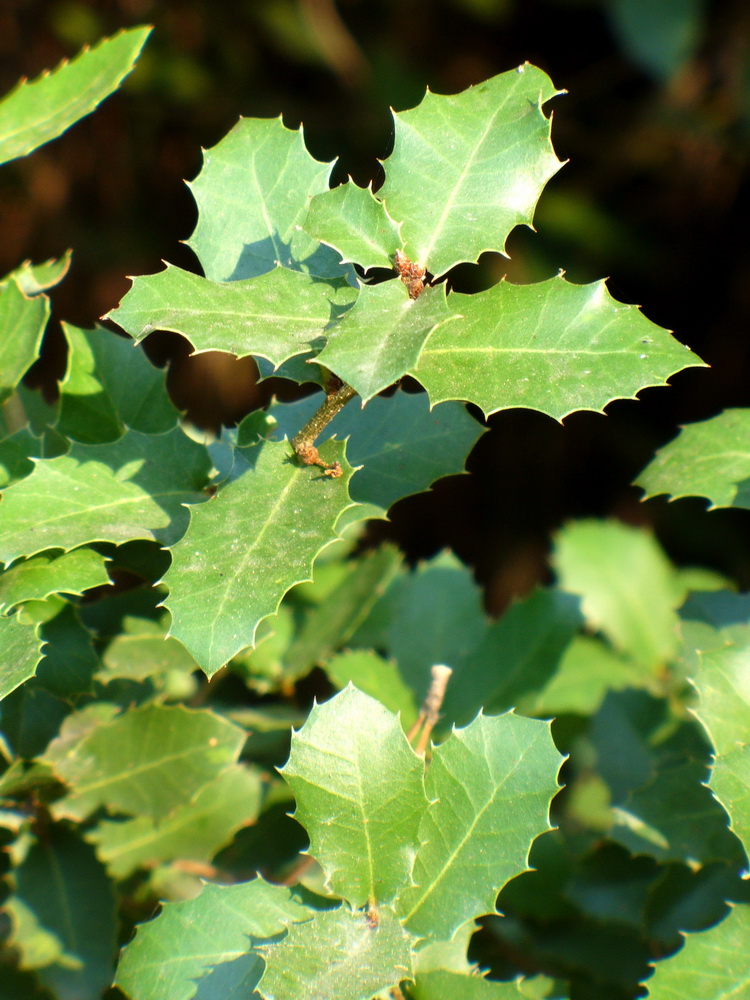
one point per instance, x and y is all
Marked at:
(52, 572)
(22, 321)
(20, 651)
(355, 223)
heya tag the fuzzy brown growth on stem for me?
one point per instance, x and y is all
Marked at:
(304, 442)
(309, 455)
(411, 274)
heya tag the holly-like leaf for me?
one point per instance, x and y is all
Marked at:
(194, 831)
(360, 796)
(382, 336)
(249, 545)
(35, 278)
(36, 112)
(21, 653)
(275, 315)
(714, 965)
(66, 889)
(629, 589)
(170, 955)
(467, 168)
(338, 955)
(146, 761)
(253, 193)
(707, 459)
(551, 346)
(52, 572)
(374, 676)
(133, 488)
(109, 386)
(402, 445)
(22, 320)
(355, 223)
(489, 787)
(444, 985)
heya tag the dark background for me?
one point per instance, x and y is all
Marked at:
(656, 126)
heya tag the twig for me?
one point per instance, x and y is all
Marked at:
(304, 441)
(430, 710)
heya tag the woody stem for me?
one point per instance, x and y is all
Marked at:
(304, 441)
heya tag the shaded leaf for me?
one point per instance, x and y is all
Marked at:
(133, 488)
(109, 386)
(382, 336)
(30, 717)
(249, 545)
(136, 656)
(467, 168)
(374, 676)
(69, 663)
(707, 459)
(359, 792)
(338, 955)
(52, 572)
(146, 761)
(489, 787)
(275, 316)
(22, 321)
(170, 955)
(20, 653)
(551, 346)
(355, 223)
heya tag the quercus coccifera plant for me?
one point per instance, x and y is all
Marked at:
(140, 777)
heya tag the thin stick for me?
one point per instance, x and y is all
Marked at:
(304, 441)
(429, 713)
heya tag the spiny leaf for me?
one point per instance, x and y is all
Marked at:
(355, 223)
(35, 278)
(21, 652)
(249, 545)
(109, 386)
(146, 761)
(707, 459)
(358, 786)
(375, 676)
(133, 488)
(275, 315)
(50, 573)
(22, 321)
(466, 169)
(382, 336)
(714, 965)
(489, 787)
(338, 955)
(253, 193)
(38, 111)
(551, 346)
(170, 955)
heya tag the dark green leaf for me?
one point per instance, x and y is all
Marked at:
(21, 652)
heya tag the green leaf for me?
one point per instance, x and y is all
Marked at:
(52, 572)
(146, 761)
(466, 169)
(338, 955)
(382, 336)
(196, 830)
(402, 445)
(30, 717)
(629, 589)
(110, 386)
(35, 278)
(136, 656)
(65, 887)
(249, 545)
(374, 676)
(714, 965)
(173, 952)
(22, 321)
(707, 459)
(69, 662)
(355, 223)
(358, 786)
(444, 985)
(133, 488)
(552, 346)
(276, 315)
(253, 194)
(40, 110)
(489, 787)
(21, 651)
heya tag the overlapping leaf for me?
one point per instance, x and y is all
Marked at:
(338, 955)
(355, 223)
(444, 985)
(35, 278)
(41, 110)
(383, 334)
(275, 315)
(552, 346)
(21, 651)
(22, 321)
(52, 572)
(253, 193)
(489, 787)
(249, 545)
(466, 169)
(108, 387)
(374, 676)
(171, 954)
(707, 459)
(359, 792)
(133, 488)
